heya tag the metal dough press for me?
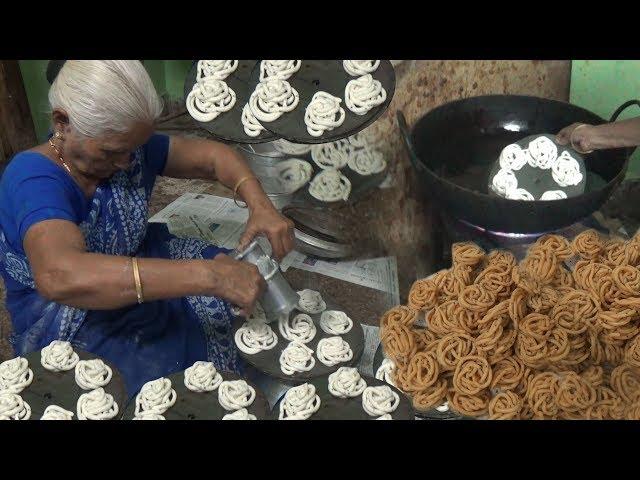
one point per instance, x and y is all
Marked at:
(279, 298)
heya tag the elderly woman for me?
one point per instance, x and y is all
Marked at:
(79, 259)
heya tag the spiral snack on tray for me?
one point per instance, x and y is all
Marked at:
(488, 339)
(575, 311)
(541, 395)
(505, 406)
(398, 342)
(296, 357)
(217, 69)
(209, 98)
(252, 127)
(431, 396)
(97, 405)
(588, 244)
(425, 339)
(504, 257)
(423, 294)
(254, 337)
(536, 325)
(473, 374)
(54, 412)
(333, 350)
(236, 394)
(504, 347)
(59, 356)
(469, 405)
(156, 396)
(367, 161)
(558, 245)
(378, 401)
(272, 98)
(449, 284)
(532, 351)
(323, 114)
(299, 403)
(466, 253)
(282, 69)
(386, 371)
(498, 312)
(357, 68)
(476, 298)
(91, 374)
(202, 377)
(496, 280)
(300, 329)
(346, 382)
(625, 381)
(364, 93)
(311, 301)
(330, 186)
(15, 375)
(13, 407)
(335, 322)
(242, 414)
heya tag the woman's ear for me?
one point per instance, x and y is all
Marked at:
(60, 120)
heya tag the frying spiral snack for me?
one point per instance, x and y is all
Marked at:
(505, 406)
(588, 244)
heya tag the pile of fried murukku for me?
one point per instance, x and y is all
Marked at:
(524, 340)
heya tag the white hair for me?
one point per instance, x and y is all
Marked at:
(105, 96)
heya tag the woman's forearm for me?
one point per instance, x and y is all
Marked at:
(104, 282)
(625, 133)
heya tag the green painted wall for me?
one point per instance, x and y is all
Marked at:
(602, 86)
(167, 75)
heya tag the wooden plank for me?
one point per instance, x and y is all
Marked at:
(17, 132)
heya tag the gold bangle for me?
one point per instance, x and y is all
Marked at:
(571, 140)
(136, 278)
(235, 189)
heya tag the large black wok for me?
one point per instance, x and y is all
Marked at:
(454, 146)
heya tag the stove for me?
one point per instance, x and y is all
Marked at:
(448, 230)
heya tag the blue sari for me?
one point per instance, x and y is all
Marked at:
(144, 341)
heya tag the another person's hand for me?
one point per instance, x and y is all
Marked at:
(278, 229)
(578, 138)
(238, 282)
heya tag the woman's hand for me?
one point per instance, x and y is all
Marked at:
(278, 229)
(238, 282)
(578, 138)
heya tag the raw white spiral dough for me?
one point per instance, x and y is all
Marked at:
(91, 374)
(299, 329)
(252, 127)
(236, 394)
(333, 350)
(282, 69)
(288, 148)
(542, 153)
(519, 194)
(218, 69)
(96, 405)
(323, 113)
(357, 68)
(254, 337)
(443, 408)
(15, 375)
(367, 162)
(149, 416)
(54, 412)
(332, 155)
(272, 98)
(330, 186)
(385, 372)
(299, 403)
(242, 414)
(364, 93)
(566, 170)
(386, 416)
(513, 157)
(59, 356)
(209, 98)
(346, 382)
(504, 181)
(294, 173)
(311, 301)
(297, 357)
(378, 401)
(335, 322)
(156, 396)
(553, 195)
(202, 377)
(13, 407)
